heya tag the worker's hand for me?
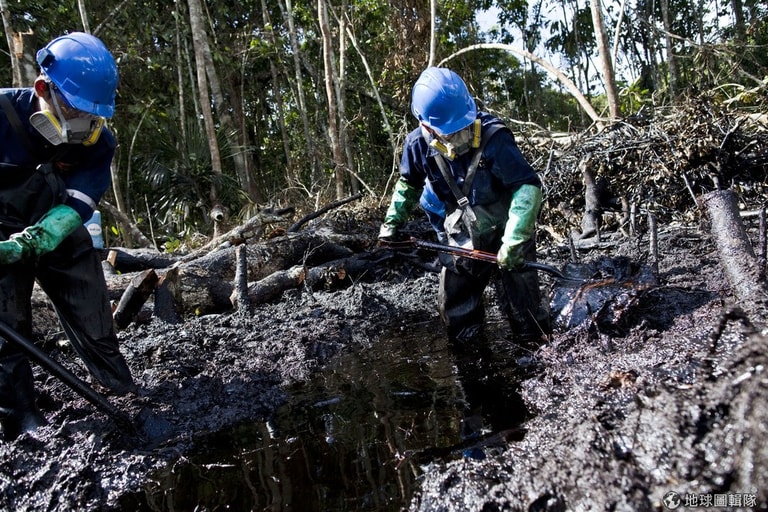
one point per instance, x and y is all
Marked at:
(10, 252)
(389, 234)
(510, 257)
(42, 237)
(521, 224)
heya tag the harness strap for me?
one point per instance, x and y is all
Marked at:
(461, 194)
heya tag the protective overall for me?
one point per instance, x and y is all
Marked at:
(491, 197)
(47, 190)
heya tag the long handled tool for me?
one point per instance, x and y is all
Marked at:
(67, 377)
(476, 254)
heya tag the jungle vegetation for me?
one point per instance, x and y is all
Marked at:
(295, 102)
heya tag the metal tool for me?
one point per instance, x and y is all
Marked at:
(476, 254)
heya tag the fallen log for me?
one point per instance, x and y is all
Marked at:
(331, 275)
(136, 260)
(252, 229)
(741, 266)
(207, 282)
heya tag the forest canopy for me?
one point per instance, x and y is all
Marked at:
(285, 102)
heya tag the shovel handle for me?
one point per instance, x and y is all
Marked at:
(67, 377)
(476, 255)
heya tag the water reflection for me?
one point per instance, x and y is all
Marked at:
(356, 437)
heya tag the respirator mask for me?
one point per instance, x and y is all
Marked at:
(76, 127)
(458, 143)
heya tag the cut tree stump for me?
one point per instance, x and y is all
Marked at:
(134, 298)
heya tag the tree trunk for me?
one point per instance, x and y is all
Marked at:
(674, 78)
(432, 32)
(737, 257)
(25, 47)
(83, 16)
(331, 96)
(300, 98)
(738, 20)
(290, 171)
(200, 42)
(603, 49)
(8, 29)
(349, 156)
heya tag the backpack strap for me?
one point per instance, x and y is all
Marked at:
(46, 169)
(15, 122)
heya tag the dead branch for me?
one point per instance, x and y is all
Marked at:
(330, 275)
(251, 229)
(323, 210)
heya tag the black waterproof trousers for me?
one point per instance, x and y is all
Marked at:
(460, 298)
(73, 279)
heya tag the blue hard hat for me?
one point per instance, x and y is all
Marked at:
(441, 100)
(83, 70)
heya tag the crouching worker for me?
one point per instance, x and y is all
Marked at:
(492, 196)
(55, 154)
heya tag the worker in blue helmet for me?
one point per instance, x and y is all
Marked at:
(468, 162)
(55, 155)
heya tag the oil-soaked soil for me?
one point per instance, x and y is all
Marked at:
(641, 398)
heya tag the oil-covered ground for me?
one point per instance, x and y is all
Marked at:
(651, 392)
(641, 399)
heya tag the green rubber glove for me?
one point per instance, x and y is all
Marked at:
(404, 199)
(523, 210)
(40, 238)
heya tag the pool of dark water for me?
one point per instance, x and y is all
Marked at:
(357, 436)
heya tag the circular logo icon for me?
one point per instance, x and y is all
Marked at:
(672, 500)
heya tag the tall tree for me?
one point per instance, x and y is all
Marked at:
(200, 42)
(298, 87)
(280, 109)
(674, 77)
(331, 77)
(603, 50)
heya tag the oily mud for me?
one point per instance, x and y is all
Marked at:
(658, 387)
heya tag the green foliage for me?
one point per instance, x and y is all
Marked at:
(176, 179)
(164, 159)
(634, 97)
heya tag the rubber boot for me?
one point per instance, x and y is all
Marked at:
(460, 300)
(18, 412)
(520, 296)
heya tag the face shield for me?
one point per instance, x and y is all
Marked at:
(66, 125)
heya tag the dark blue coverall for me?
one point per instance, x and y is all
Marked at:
(35, 176)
